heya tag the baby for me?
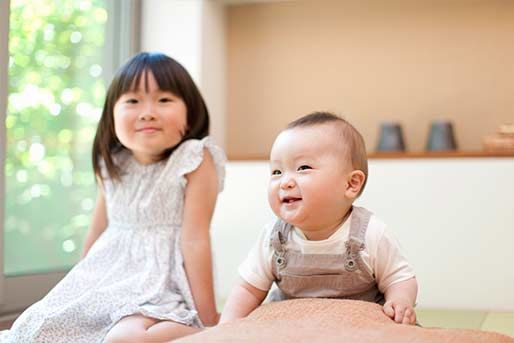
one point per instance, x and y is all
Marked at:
(322, 246)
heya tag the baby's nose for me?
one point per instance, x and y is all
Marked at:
(288, 182)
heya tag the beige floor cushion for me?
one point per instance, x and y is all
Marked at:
(332, 321)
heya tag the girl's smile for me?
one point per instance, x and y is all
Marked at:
(149, 129)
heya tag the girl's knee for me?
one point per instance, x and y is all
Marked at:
(116, 336)
(130, 329)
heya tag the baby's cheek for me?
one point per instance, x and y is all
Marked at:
(275, 207)
(273, 199)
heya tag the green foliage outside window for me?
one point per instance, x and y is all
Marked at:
(56, 90)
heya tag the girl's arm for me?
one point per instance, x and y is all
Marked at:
(98, 222)
(243, 299)
(200, 200)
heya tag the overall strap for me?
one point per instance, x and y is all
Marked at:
(356, 237)
(279, 235)
(358, 226)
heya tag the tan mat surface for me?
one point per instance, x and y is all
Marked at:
(332, 321)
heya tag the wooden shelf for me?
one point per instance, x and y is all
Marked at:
(397, 155)
(439, 154)
(241, 158)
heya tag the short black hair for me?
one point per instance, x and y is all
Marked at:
(352, 139)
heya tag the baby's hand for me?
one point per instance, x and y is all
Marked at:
(400, 311)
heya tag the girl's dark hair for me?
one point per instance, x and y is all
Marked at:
(170, 76)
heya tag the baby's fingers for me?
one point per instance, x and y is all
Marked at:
(399, 313)
(409, 317)
(388, 309)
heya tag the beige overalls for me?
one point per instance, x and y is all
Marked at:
(342, 275)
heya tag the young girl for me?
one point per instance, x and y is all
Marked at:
(146, 274)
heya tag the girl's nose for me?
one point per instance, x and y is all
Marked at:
(147, 114)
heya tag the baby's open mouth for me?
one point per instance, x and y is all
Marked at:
(289, 200)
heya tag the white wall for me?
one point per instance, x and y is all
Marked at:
(192, 32)
(213, 67)
(453, 217)
(174, 28)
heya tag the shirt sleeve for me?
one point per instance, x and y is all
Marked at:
(390, 264)
(256, 268)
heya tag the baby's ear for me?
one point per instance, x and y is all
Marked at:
(354, 183)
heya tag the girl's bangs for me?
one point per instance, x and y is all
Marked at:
(166, 76)
(129, 80)
(161, 69)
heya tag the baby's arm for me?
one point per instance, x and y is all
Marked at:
(200, 200)
(400, 299)
(255, 280)
(394, 275)
(98, 222)
(243, 299)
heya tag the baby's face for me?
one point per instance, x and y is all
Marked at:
(309, 177)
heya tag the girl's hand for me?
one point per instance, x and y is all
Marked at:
(214, 320)
(400, 311)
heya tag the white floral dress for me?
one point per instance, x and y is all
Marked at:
(135, 266)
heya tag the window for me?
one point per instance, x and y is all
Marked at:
(61, 56)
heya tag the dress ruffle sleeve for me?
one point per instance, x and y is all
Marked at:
(191, 154)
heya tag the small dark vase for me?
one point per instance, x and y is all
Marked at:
(390, 137)
(441, 136)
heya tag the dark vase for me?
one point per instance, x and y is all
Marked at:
(441, 136)
(390, 137)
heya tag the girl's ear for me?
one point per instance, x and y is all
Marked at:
(354, 183)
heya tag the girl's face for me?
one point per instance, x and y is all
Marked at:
(148, 122)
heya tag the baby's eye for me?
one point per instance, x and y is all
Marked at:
(304, 167)
(276, 172)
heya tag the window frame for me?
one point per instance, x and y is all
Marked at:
(122, 40)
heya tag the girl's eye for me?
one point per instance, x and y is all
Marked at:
(304, 167)
(276, 172)
(165, 100)
(131, 101)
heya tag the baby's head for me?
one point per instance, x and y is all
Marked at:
(318, 169)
